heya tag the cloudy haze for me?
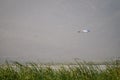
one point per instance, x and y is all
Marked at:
(47, 30)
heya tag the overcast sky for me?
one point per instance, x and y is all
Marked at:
(47, 30)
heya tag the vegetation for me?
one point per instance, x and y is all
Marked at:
(80, 71)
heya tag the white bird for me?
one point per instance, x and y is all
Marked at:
(84, 31)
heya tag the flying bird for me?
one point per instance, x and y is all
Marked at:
(83, 31)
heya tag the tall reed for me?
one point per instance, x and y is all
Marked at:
(80, 71)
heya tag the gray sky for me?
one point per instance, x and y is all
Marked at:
(46, 30)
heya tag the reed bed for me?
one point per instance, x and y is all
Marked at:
(82, 71)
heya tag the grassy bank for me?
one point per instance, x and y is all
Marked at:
(32, 71)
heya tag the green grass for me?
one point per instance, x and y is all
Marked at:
(83, 71)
